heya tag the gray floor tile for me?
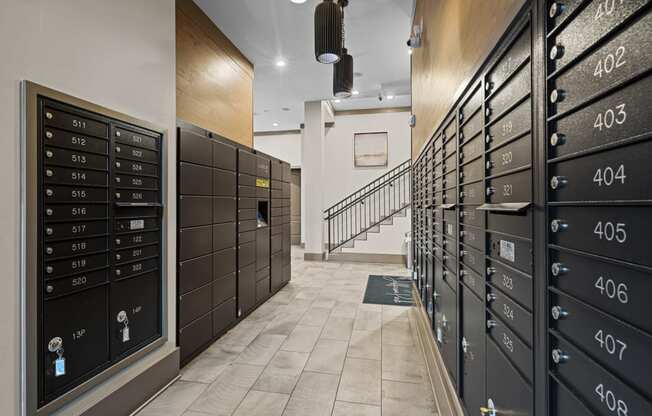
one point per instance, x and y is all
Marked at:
(302, 339)
(365, 344)
(327, 356)
(355, 409)
(315, 317)
(261, 350)
(368, 320)
(407, 399)
(243, 333)
(397, 333)
(338, 328)
(360, 381)
(175, 400)
(403, 363)
(259, 403)
(225, 394)
(282, 373)
(313, 396)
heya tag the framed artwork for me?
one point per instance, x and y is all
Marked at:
(370, 149)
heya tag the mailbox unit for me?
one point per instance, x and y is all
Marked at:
(231, 237)
(532, 215)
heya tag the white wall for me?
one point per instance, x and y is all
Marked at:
(119, 54)
(285, 146)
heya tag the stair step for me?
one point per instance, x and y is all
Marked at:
(388, 221)
(362, 237)
(375, 229)
(349, 244)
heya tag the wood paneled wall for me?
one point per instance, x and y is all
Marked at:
(458, 36)
(214, 80)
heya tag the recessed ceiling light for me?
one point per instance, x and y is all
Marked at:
(285, 109)
(281, 63)
(298, 1)
(355, 92)
(409, 51)
(390, 97)
(275, 124)
(338, 101)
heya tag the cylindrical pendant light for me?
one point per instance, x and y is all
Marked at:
(343, 76)
(328, 32)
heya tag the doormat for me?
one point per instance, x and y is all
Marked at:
(389, 290)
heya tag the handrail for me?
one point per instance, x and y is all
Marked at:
(403, 167)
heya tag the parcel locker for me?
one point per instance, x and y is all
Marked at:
(473, 361)
(94, 290)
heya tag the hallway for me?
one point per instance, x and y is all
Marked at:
(312, 349)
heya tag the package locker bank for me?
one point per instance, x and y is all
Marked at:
(531, 223)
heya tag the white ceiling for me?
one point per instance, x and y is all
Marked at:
(268, 30)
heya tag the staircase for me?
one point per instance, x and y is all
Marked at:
(366, 210)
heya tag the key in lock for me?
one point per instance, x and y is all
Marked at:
(56, 346)
(123, 319)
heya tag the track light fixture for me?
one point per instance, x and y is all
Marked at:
(328, 32)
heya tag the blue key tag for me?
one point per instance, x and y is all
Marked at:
(60, 367)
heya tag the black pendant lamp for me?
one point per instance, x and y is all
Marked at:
(328, 32)
(343, 70)
(343, 76)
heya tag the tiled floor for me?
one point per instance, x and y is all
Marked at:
(313, 349)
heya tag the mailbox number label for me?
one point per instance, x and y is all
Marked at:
(611, 344)
(608, 176)
(612, 116)
(612, 290)
(610, 231)
(610, 62)
(608, 398)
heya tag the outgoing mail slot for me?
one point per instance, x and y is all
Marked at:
(138, 299)
(136, 253)
(516, 187)
(135, 153)
(223, 235)
(513, 57)
(129, 240)
(516, 284)
(194, 304)
(618, 60)
(514, 251)
(620, 174)
(518, 353)
(518, 224)
(472, 193)
(195, 273)
(589, 26)
(74, 194)
(513, 90)
(74, 159)
(194, 179)
(594, 384)
(74, 122)
(472, 236)
(75, 230)
(138, 139)
(137, 196)
(195, 242)
(517, 154)
(515, 316)
(136, 182)
(80, 320)
(75, 247)
(616, 232)
(620, 348)
(246, 254)
(75, 265)
(621, 115)
(132, 269)
(75, 283)
(564, 402)
(136, 168)
(66, 176)
(472, 258)
(620, 290)
(472, 171)
(224, 156)
(60, 138)
(507, 390)
(136, 224)
(75, 212)
(195, 211)
(471, 216)
(513, 124)
(224, 262)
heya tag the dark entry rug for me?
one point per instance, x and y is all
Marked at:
(389, 290)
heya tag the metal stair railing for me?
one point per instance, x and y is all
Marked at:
(369, 206)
